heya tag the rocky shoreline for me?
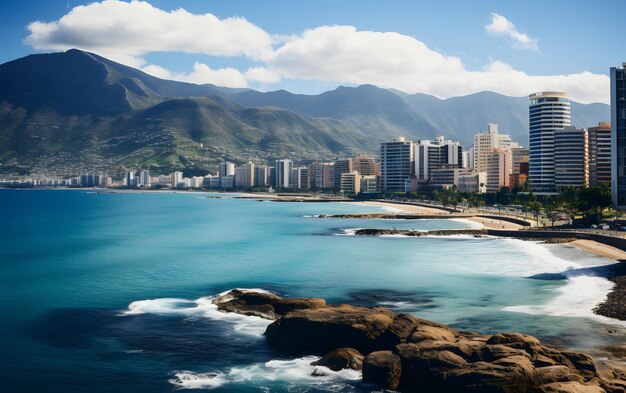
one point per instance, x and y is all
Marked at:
(615, 304)
(399, 351)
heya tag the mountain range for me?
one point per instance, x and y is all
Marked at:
(75, 111)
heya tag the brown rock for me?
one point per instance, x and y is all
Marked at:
(398, 331)
(382, 368)
(490, 353)
(515, 340)
(543, 361)
(321, 330)
(582, 362)
(425, 332)
(341, 358)
(284, 306)
(264, 305)
(559, 373)
(570, 387)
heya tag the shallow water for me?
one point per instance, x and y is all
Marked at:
(111, 292)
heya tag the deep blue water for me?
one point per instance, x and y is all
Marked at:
(73, 262)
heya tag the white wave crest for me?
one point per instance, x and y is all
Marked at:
(202, 308)
(576, 299)
(295, 371)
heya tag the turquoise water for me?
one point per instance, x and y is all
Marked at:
(73, 262)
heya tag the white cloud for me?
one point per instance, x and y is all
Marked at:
(126, 32)
(201, 74)
(345, 55)
(501, 26)
(262, 75)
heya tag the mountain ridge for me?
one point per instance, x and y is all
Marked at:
(76, 110)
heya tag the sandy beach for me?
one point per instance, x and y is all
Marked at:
(400, 208)
(600, 249)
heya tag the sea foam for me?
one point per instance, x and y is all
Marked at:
(575, 299)
(294, 372)
(201, 308)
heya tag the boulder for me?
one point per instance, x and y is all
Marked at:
(570, 387)
(341, 358)
(382, 368)
(261, 304)
(427, 332)
(409, 353)
(399, 330)
(320, 330)
(558, 373)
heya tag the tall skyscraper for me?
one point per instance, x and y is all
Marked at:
(618, 135)
(396, 159)
(599, 154)
(548, 111)
(570, 158)
(283, 172)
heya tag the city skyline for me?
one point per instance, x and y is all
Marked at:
(505, 48)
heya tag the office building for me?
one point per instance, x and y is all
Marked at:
(548, 111)
(396, 161)
(322, 175)
(261, 175)
(283, 173)
(342, 166)
(366, 166)
(429, 155)
(226, 169)
(618, 136)
(350, 183)
(499, 168)
(599, 142)
(570, 158)
(485, 143)
(244, 175)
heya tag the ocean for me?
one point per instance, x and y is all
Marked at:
(110, 292)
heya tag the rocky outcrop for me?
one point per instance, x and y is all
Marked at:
(615, 304)
(407, 353)
(340, 359)
(261, 304)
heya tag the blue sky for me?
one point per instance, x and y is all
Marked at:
(440, 48)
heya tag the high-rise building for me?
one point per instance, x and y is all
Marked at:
(548, 111)
(366, 166)
(342, 166)
(302, 175)
(570, 157)
(599, 154)
(396, 160)
(261, 175)
(226, 169)
(518, 155)
(244, 175)
(429, 155)
(176, 179)
(143, 179)
(499, 168)
(322, 175)
(283, 172)
(350, 183)
(618, 135)
(484, 145)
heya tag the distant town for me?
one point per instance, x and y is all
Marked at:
(560, 156)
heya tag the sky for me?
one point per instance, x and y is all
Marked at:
(445, 49)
